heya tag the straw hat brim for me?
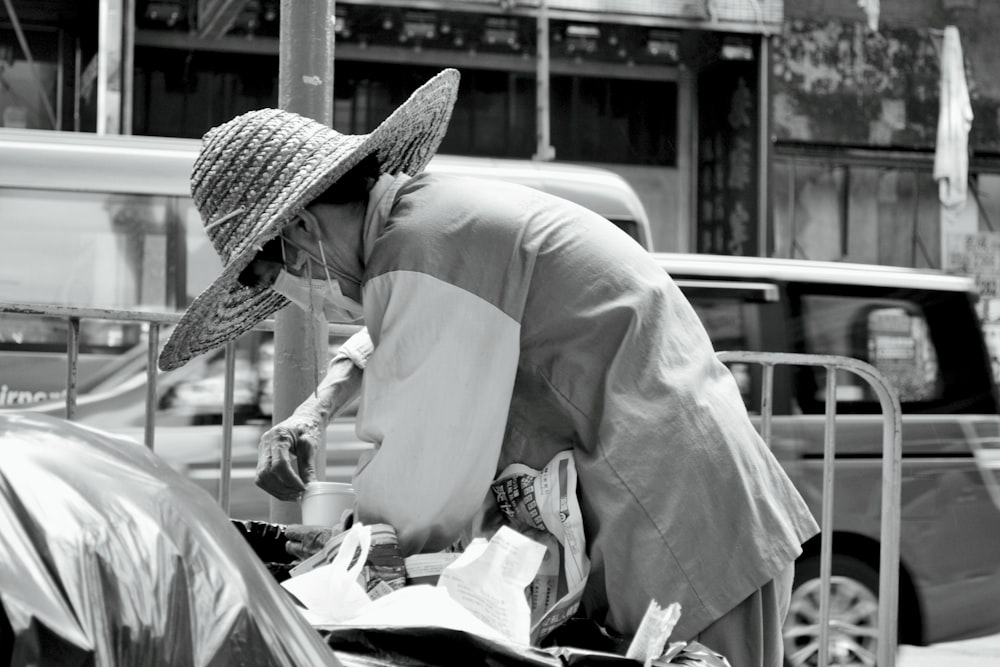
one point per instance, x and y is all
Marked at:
(403, 142)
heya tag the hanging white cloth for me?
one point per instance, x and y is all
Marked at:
(871, 9)
(951, 156)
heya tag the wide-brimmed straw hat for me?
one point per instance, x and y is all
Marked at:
(257, 172)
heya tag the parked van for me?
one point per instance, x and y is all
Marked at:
(108, 222)
(920, 329)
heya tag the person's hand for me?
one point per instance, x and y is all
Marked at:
(297, 436)
(304, 541)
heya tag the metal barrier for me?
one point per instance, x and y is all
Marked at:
(154, 323)
(888, 593)
(891, 462)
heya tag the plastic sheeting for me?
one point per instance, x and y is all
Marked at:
(442, 647)
(110, 557)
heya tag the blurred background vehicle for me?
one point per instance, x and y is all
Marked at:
(921, 330)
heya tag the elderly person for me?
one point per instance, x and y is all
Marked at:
(506, 325)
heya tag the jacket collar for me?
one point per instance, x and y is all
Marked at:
(380, 201)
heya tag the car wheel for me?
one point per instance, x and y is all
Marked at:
(853, 637)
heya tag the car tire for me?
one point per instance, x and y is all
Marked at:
(853, 637)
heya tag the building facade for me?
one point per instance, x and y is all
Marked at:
(796, 128)
(625, 85)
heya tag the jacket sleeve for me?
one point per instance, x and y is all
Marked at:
(358, 348)
(435, 398)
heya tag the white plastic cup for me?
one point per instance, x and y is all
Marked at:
(326, 503)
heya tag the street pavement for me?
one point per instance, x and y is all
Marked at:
(983, 652)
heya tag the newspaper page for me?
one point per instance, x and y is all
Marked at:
(543, 505)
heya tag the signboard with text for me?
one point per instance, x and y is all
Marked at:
(977, 254)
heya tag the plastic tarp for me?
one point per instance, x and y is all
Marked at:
(110, 557)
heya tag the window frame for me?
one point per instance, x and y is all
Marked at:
(966, 385)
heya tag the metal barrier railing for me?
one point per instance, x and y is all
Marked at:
(155, 322)
(891, 460)
(888, 593)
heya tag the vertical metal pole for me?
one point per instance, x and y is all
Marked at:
(305, 86)
(102, 65)
(72, 359)
(826, 520)
(544, 150)
(686, 239)
(767, 403)
(109, 66)
(152, 352)
(791, 209)
(77, 69)
(226, 460)
(128, 64)
(60, 82)
(763, 146)
(892, 471)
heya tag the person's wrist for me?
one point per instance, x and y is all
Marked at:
(311, 412)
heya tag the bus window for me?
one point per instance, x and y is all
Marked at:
(734, 324)
(86, 249)
(203, 264)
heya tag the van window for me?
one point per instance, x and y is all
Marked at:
(734, 324)
(631, 227)
(890, 334)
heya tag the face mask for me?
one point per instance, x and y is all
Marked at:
(324, 300)
(319, 297)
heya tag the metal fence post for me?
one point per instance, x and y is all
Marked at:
(305, 86)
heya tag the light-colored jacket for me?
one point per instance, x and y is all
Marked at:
(509, 325)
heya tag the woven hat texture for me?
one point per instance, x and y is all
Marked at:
(257, 172)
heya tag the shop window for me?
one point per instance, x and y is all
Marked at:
(809, 211)
(28, 89)
(832, 210)
(593, 119)
(614, 120)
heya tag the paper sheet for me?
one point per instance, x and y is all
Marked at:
(489, 579)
